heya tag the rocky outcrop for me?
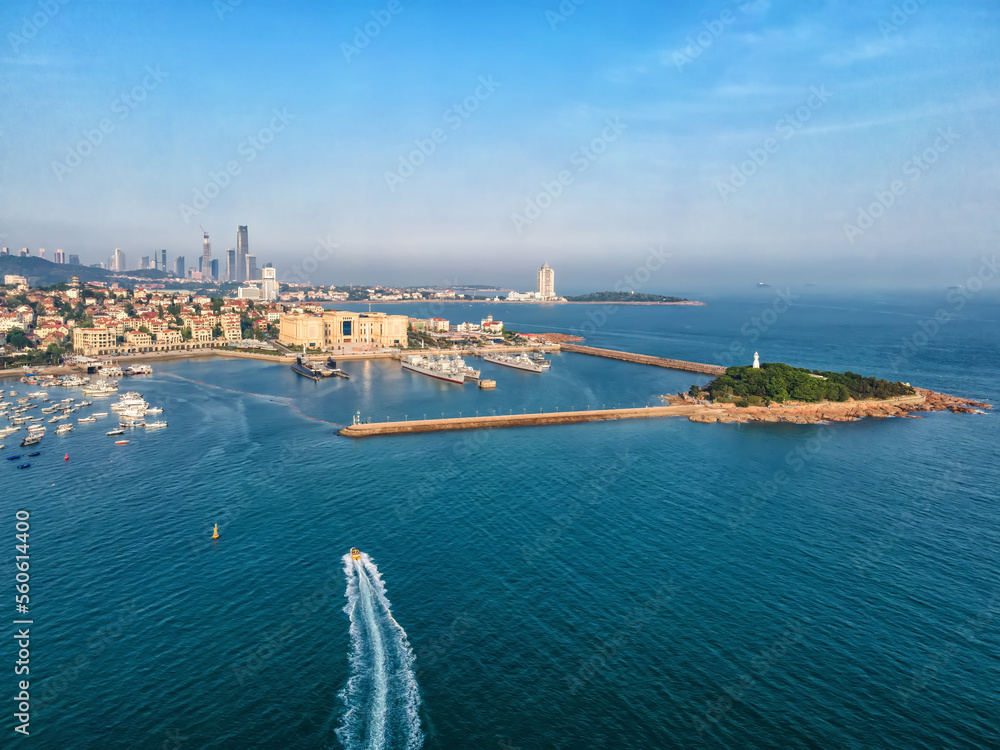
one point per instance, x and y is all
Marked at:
(847, 411)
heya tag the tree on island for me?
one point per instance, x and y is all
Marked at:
(776, 381)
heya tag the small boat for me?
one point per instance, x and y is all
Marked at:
(355, 553)
(119, 431)
(86, 419)
(154, 410)
(24, 466)
(63, 429)
(99, 414)
(11, 458)
(155, 425)
(36, 453)
(121, 442)
(31, 440)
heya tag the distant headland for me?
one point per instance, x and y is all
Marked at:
(629, 298)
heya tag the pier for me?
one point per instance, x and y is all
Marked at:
(644, 359)
(372, 429)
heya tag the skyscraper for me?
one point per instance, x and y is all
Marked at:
(118, 260)
(269, 283)
(144, 262)
(230, 264)
(206, 254)
(242, 250)
(25, 252)
(41, 252)
(74, 260)
(179, 266)
(60, 257)
(252, 267)
(214, 268)
(546, 281)
(163, 260)
(6, 251)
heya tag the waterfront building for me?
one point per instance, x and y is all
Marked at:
(338, 328)
(546, 281)
(91, 341)
(242, 250)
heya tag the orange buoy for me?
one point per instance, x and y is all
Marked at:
(67, 457)
(215, 534)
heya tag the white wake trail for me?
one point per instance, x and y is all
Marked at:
(381, 696)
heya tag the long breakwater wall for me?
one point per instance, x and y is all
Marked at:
(518, 420)
(644, 359)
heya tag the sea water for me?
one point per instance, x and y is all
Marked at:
(637, 584)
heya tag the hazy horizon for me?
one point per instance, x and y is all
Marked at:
(742, 140)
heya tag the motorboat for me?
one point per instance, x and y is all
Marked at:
(121, 442)
(119, 431)
(355, 553)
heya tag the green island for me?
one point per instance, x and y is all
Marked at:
(623, 297)
(776, 381)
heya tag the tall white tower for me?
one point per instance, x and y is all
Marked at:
(756, 361)
(546, 281)
(206, 256)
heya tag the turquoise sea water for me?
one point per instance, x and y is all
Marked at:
(640, 584)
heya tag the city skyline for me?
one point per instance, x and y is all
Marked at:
(746, 140)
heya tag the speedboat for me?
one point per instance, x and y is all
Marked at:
(24, 466)
(119, 431)
(355, 553)
(36, 453)
(11, 458)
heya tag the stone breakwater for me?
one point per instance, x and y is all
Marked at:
(645, 359)
(696, 412)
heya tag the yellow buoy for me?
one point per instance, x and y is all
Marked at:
(215, 533)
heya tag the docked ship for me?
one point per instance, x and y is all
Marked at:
(307, 369)
(518, 361)
(442, 369)
(101, 388)
(470, 372)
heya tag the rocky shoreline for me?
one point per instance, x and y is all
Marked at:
(847, 411)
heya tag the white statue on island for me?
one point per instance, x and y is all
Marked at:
(756, 361)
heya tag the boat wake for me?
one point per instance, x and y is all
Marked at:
(381, 695)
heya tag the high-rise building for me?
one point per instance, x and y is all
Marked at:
(144, 262)
(6, 251)
(163, 260)
(252, 274)
(242, 250)
(60, 257)
(269, 283)
(215, 269)
(546, 281)
(206, 255)
(179, 266)
(25, 252)
(74, 260)
(230, 264)
(41, 252)
(118, 260)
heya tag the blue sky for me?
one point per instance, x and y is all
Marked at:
(748, 139)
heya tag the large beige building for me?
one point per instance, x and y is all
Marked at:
(92, 341)
(337, 328)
